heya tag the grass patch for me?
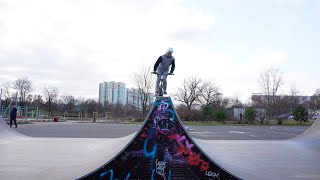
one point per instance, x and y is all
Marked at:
(271, 123)
(203, 123)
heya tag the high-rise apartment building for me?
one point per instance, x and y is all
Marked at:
(112, 92)
(133, 98)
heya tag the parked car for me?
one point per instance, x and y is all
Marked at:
(285, 116)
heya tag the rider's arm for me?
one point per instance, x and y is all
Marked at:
(172, 66)
(157, 63)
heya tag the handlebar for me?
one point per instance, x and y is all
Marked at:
(161, 74)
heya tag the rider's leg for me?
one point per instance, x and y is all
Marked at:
(157, 83)
(165, 85)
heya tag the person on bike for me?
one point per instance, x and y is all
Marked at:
(161, 67)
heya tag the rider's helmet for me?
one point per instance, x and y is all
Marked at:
(170, 50)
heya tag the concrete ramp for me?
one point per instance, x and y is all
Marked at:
(293, 159)
(23, 157)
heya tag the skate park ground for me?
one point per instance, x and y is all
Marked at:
(282, 158)
(71, 129)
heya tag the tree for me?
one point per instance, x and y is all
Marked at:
(183, 112)
(300, 114)
(208, 95)
(23, 86)
(50, 94)
(220, 115)
(92, 105)
(315, 100)
(69, 102)
(6, 92)
(189, 92)
(234, 102)
(294, 99)
(37, 100)
(207, 113)
(250, 114)
(144, 83)
(270, 82)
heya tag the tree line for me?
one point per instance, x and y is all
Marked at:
(200, 99)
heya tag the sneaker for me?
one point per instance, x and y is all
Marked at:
(165, 93)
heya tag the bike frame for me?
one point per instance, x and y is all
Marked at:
(160, 90)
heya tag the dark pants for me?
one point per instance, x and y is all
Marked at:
(13, 118)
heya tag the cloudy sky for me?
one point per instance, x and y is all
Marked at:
(76, 44)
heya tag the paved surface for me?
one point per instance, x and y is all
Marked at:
(295, 159)
(100, 130)
(22, 157)
(77, 130)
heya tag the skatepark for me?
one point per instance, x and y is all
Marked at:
(161, 149)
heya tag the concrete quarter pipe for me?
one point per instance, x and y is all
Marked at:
(161, 149)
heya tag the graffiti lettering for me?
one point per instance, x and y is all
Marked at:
(138, 153)
(162, 106)
(213, 175)
(160, 167)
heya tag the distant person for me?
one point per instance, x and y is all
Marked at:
(13, 116)
(161, 67)
(241, 116)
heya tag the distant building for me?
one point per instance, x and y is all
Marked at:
(134, 99)
(112, 92)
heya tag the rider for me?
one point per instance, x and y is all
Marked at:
(161, 67)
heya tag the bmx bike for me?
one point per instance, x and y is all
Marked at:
(162, 78)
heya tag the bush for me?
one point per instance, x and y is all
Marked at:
(207, 113)
(250, 114)
(300, 114)
(220, 115)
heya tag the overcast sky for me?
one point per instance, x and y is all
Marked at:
(76, 44)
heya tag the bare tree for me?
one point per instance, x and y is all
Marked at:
(315, 100)
(144, 83)
(23, 86)
(189, 92)
(92, 105)
(234, 102)
(37, 100)
(50, 94)
(69, 102)
(270, 82)
(294, 99)
(6, 92)
(209, 93)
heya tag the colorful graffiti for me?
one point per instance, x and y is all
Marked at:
(161, 150)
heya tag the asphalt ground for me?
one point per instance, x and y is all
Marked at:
(106, 130)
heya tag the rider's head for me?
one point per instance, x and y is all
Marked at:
(169, 52)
